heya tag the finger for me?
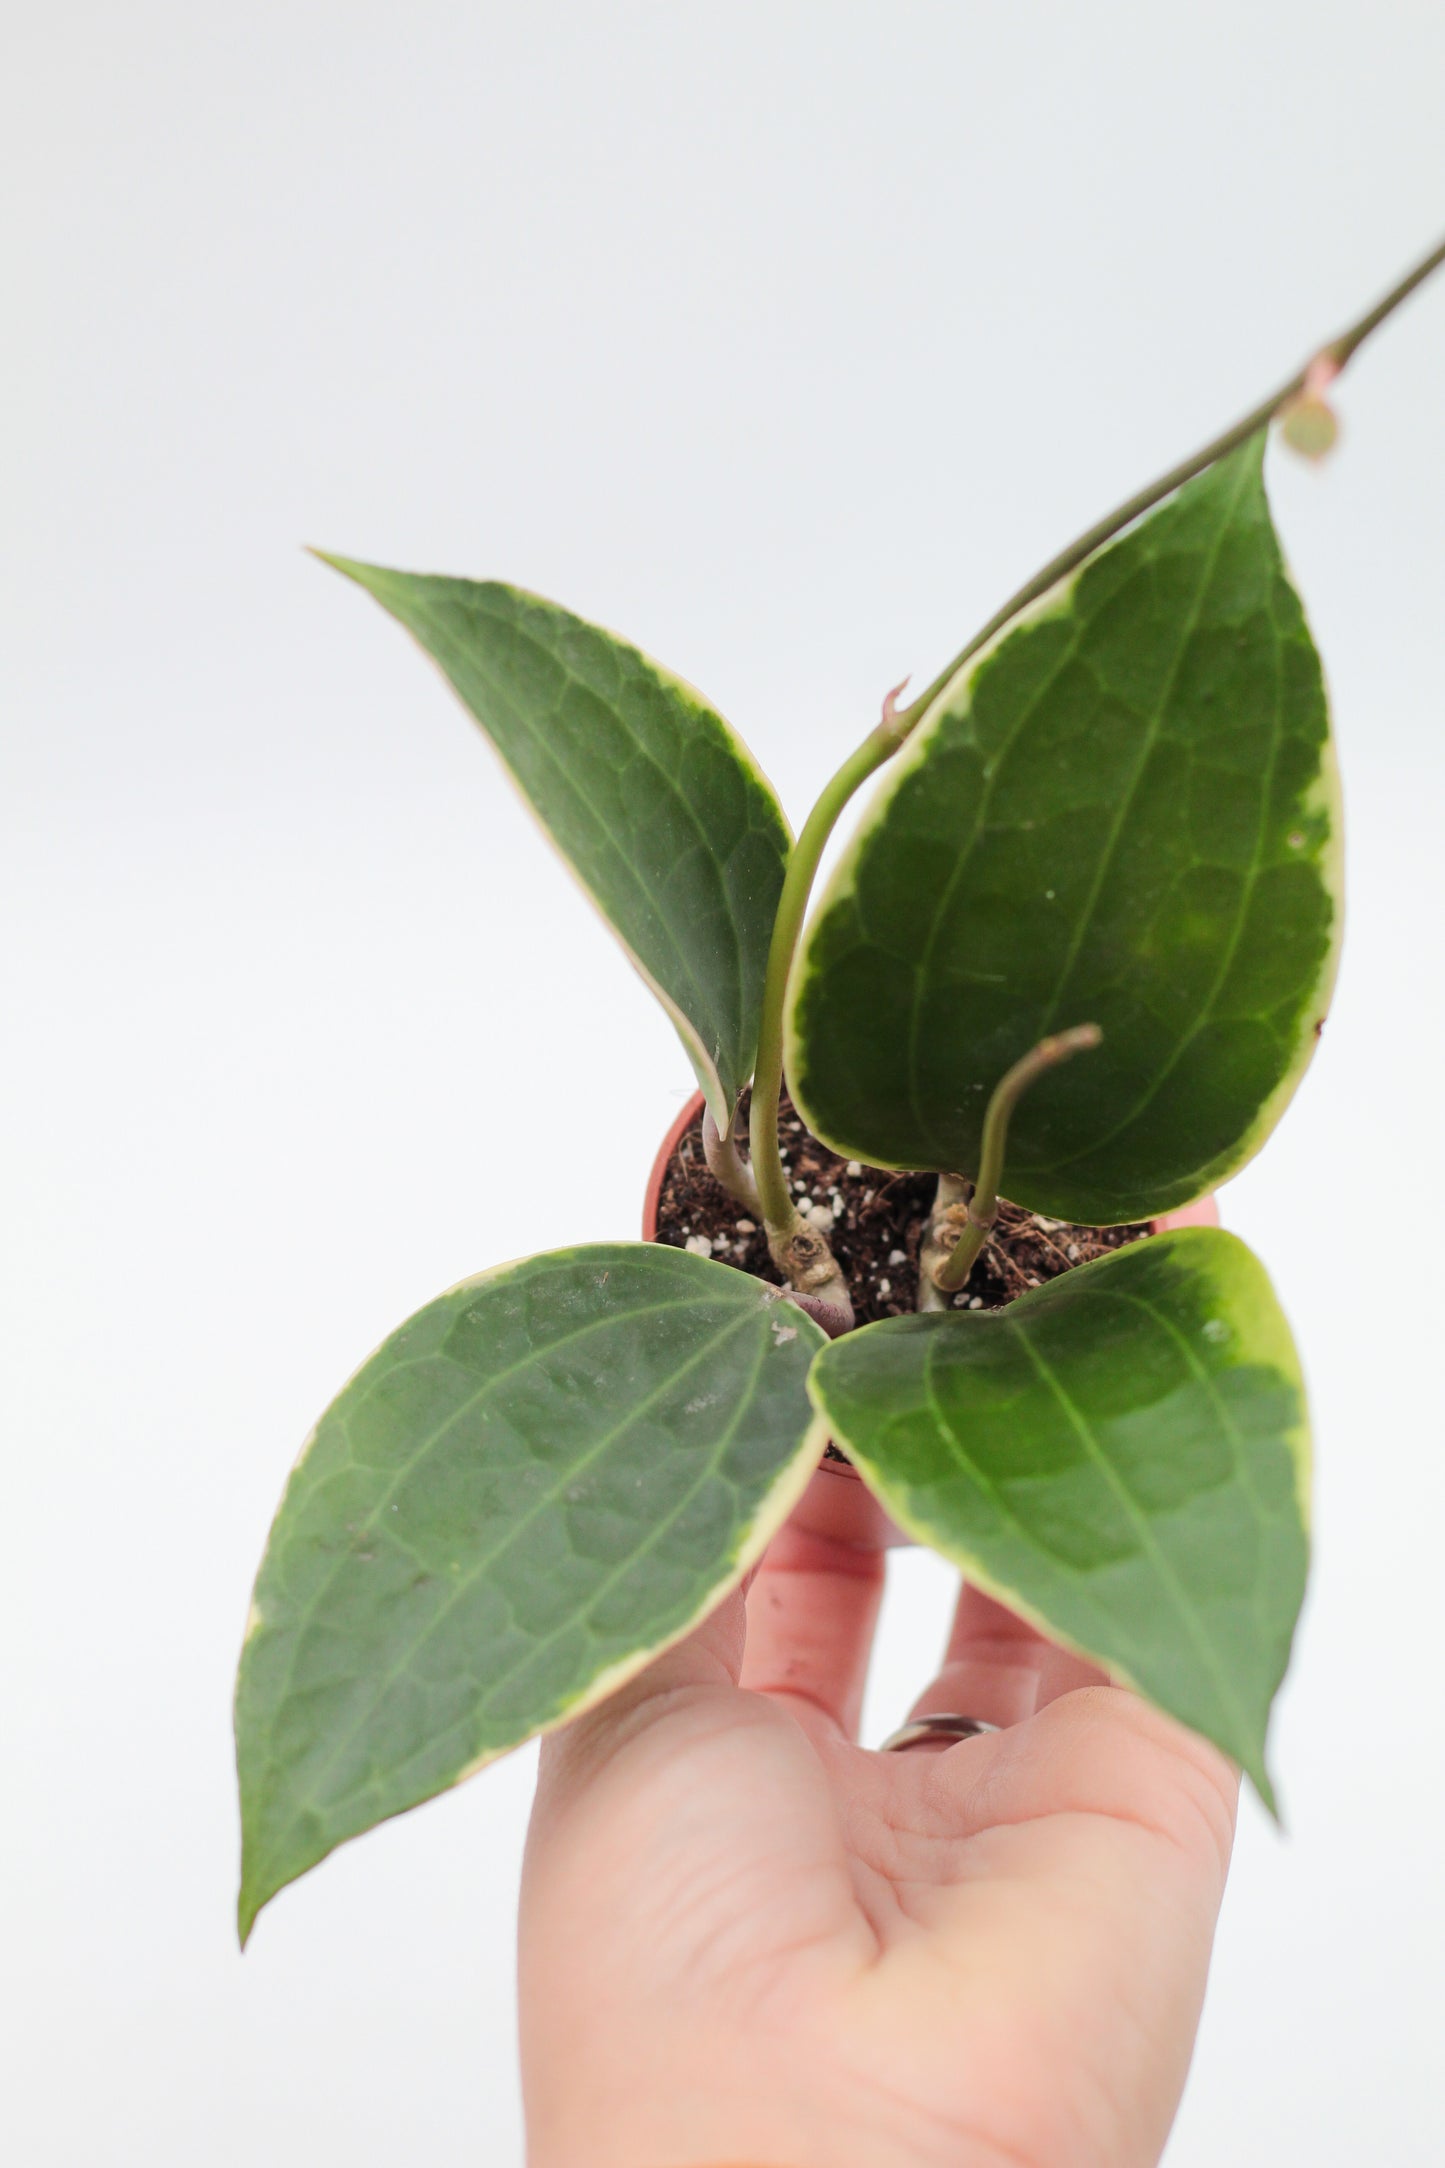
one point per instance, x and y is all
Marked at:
(838, 1503)
(998, 1667)
(982, 1626)
(1064, 1672)
(1204, 1212)
(984, 1629)
(990, 1667)
(812, 1610)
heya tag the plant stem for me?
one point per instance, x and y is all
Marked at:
(726, 1165)
(1327, 361)
(946, 1223)
(779, 1212)
(983, 1205)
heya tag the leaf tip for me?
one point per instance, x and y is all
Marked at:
(1260, 1778)
(261, 1880)
(247, 1909)
(352, 567)
(263, 1874)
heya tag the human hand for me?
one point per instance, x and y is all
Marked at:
(744, 1939)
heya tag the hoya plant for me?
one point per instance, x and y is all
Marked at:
(1077, 956)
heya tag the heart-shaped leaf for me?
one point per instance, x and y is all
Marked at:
(542, 1479)
(657, 806)
(1122, 812)
(1121, 1456)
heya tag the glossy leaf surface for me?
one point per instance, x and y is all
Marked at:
(541, 1479)
(654, 802)
(1122, 812)
(1121, 1456)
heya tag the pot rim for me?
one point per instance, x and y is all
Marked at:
(652, 1197)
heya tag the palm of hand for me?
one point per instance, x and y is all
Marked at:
(745, 1939)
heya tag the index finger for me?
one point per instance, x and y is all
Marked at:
(812, 1610)
(1000, 1668)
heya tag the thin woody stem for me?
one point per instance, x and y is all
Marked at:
(1333, 356)
(983, 1205)
(1340, 350)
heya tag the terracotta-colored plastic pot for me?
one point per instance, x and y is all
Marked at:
(837, 1503)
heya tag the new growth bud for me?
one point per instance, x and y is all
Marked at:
(1308, 423)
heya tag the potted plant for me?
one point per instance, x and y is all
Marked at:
(1076, 956)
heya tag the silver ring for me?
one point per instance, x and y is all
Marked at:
(942, 1726)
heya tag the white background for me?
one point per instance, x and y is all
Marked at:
(785, 338)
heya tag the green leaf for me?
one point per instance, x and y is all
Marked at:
(543, 1478)
(1123, 812)
(1121, 1456)
(657, 806)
